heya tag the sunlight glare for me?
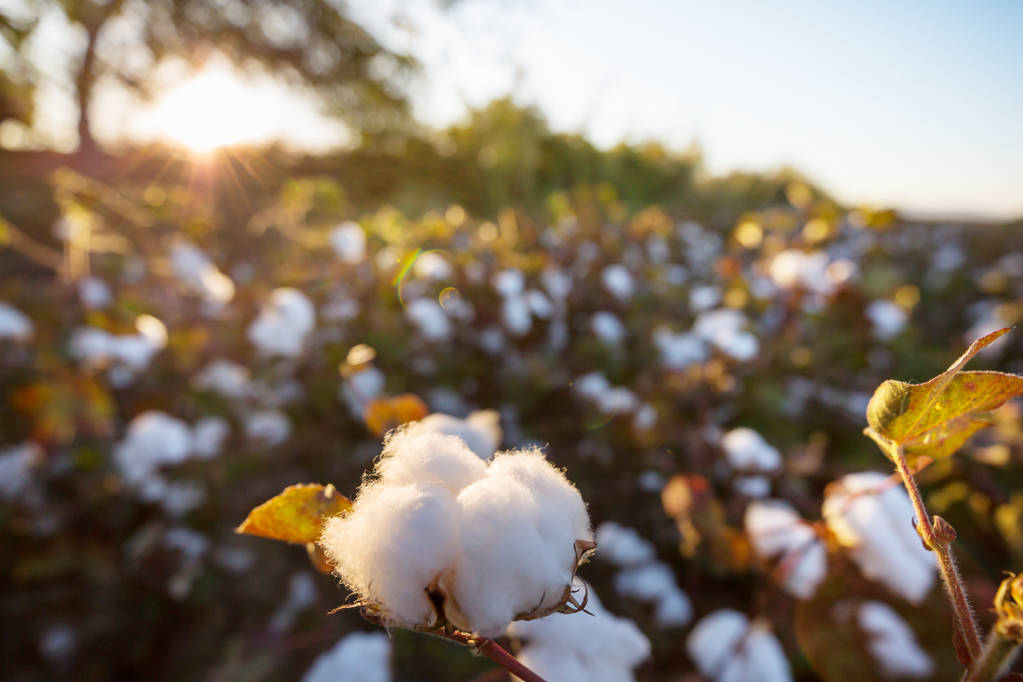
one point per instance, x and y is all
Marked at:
(216, 108)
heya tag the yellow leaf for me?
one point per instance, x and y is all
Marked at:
(296, 514)
(936, 417)
(384, 414)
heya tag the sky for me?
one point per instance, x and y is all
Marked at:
(916, 105)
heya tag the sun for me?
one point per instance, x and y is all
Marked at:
(218, 107)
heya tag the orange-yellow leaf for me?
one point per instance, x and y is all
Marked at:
(384, 414)
(296, 514)
(936, 417)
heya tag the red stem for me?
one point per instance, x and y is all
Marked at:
(494, 652)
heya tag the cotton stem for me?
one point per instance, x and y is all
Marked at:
(999, 652)
(946, 563)
(494, 652)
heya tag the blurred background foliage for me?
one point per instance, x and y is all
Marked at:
(98, 584)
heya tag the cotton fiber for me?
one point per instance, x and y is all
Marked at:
(437, 532)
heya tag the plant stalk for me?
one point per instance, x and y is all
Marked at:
(494, 652)
(946, 563)
(998, 653)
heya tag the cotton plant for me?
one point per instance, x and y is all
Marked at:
(284, 324)
(441, 540)
(727, 647)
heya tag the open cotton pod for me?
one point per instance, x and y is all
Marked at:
(438, 536)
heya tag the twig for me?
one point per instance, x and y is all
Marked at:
(946, 563)
(494, 652)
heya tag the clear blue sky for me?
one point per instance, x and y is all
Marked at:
(913, 104)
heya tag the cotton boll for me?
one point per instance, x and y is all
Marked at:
(267, 427)
(198, 274)
(361, 387)
(480, 431)
(618, 281)
(509, 283)
(432, 265)
(153, 439)
(14, 324)
(393, 544)
(416, 454)
(227, 378)
(564, 518)
(753, 486)
(429, 319)
(774, 529)
(608, 328)
(704, 297)
(516, 316)
(16, 464)
(874, 522)
(349, 242)
(724, 329)
(359, 657)
(539, 304)
(582, 647)
(208, 436)
(679, 351)
(748, 451)
(505, 567)
(283, 324)
(892, 643)
(655, 582)
(94, 293)
(557, 283)
(715, 639)
(887, 319)
(727, 648)
(623, 546)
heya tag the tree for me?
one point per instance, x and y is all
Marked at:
(311, 42)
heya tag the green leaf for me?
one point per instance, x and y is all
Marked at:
(296, 514)
(935, 418)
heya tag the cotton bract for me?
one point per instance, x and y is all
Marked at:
(436, 532)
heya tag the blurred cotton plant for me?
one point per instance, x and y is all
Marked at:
(444, 539)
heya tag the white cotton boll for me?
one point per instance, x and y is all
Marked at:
(516, 316)
(724, 329)
(361, 387)
(877, 529)
(793, 268)
(552, 664)
(267, 427)
(416, 454)
(887, 319)
(194, 269)
(509, 283)
(727, 648)
(655, 582)
(16, 464)
(679, 351)
(187, 541)
(774, 528)
(492, 340)
(704, 296)
(14, 324)
(349, 242)
(618, 281)
(715, 640)
(892, 643)
(208, 436)
(539, 304)
(359, 657)
(283, 324)
(227, 378)
(748, 451)
(583, 647)
(623, 546)
(480, 431)
(608, 328)
(558, 283)
(153, 439)
(59, 642)
(753, 486)
(393, 544)
(94, 293)
(505, 567)
(564, 518)
(592, 385)
(429, 319)
(432, 265)
(180, 497)
(645, 418)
